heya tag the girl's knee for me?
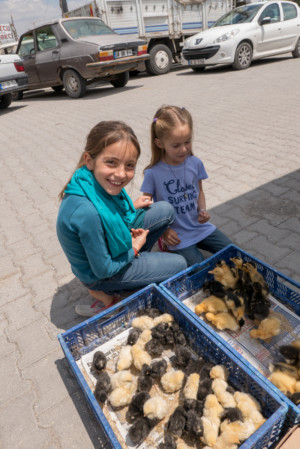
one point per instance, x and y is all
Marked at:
(167, 209)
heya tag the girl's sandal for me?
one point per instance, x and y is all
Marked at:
(95, 308)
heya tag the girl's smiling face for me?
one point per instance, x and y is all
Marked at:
(114, 167)
(177, 145)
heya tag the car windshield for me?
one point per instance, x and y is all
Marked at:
(243, 14)
(86, 27)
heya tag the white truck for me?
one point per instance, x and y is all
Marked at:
(163, 23)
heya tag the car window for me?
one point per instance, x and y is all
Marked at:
(243, 14)
(271, 11)
(27, 45)
(45, 38)
(289, 11)
(86, 27)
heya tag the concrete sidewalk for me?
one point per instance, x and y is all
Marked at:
(246, 133)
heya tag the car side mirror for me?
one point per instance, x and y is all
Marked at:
(265, 21)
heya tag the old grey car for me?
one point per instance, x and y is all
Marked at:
(72, 53)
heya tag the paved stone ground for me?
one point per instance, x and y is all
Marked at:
(246, 132)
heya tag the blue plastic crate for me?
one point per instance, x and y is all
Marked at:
(190, 281)
(94, 332)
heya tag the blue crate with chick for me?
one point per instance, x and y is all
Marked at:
(105, 328)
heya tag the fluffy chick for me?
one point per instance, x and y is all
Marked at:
(212, 408)
(103, 387)
(143, 322)
(214, 288)
(259, 304)
(255, 276)
(219, 372)
(144, 338)
(290, 370)
(155, 408)
(236, 305)
(136, 406)
(152, 312)
(285, 383)
(238, 262)
(223, 321)
(182, 356)
(232, 414)
(122, 395)
(268, 328)
(121, 379)
(140, 356)
(211, 304)
(172, 381)
(99, 362)
(177, 422)
(139, 430)
(191, 387)
(226, 399)
(295, 398)
(169, 442)
(290, 353)
(242, 430)
(210, 431)
(194, 365)
(193, 425)
(154, 347)
(224, 275)
(158, 368)
(204, 389)
(247, 398)
(133, 336)
(125, 358)
(165, 317)
(145, 381)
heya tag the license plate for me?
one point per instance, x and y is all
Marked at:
(123, 53)
(197, 61)
(8, 84)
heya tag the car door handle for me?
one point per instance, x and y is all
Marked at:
(55, 52)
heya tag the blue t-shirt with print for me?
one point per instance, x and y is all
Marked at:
(178, 184)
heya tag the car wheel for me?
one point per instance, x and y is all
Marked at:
(5, 101)
(198, 69)
(74, 84)
(18, 95)
(296, 52)
(243, 56)
(160, 60)
(121, 79)
(57, 88)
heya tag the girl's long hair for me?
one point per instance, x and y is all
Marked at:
(100, 137)
(165, 120)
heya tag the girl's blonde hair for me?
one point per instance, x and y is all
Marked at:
(100, 137)
(165, 120)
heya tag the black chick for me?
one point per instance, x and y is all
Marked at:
(145, 381)
(139, 430)
(177, 421)
(232, 414)
(103, 387)
(259, 304)
(295, 397)
(151, 312)
(169, 442)
(154, 347)
(204, 389)
(160, 331)
(214, 288)
(194, 366)
(179, 338)
(193, 425)
(99, 362)
(194, 404)
(135, 408)
(158, 369)
(205, 370)
(290, 353)
(133, 336)
(182, 356)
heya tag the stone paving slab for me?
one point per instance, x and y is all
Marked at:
(247, 135)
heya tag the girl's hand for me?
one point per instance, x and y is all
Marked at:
(203, 216)
(142, 201)
(139, 237)
(170, 237)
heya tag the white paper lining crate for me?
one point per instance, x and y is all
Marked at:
(190, 281)
(100, 329)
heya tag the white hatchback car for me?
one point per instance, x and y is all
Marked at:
(252, 31)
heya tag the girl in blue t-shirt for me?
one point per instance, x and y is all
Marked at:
(175, 175)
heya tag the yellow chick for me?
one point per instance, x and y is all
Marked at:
(121, 379)
(145, 336)
(248, 399)
(211, 304)
(143, 322)
(224, 275)
(122, 396)
(285, 383)
(191, 387)
(219, 372)
(210, 431)
(139, 356)
(241, 430)
(155, 408)
(212, 408)
(125, 358)
(164, 318)
(225, 398)
(238, 262)
(172, 381)
(223, 321)
(268, 328)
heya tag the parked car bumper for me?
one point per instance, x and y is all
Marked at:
(117, 65)
(210, 55)
(13, 83)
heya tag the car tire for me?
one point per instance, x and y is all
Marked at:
(243, 56)
(57, 88)
(18, 95)
(296, 52)
(198, 69)
(121, 80)
(5, 100)
(160, 60)
(74, 84)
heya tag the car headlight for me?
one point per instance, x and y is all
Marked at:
(227, 36)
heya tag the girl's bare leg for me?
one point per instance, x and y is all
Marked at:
(101, 296)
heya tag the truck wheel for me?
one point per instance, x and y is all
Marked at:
(243, 56)
(18, 95)
(5, 101)
(121, 80)
(160, 60)
(296, 52)
(74, 84)
(57, 88)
